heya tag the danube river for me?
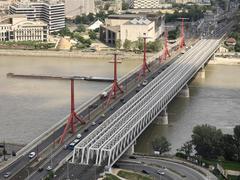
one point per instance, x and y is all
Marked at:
(29, 107)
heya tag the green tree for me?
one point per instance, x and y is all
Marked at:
(125, 5)
(161, 144)
(127, 45)
(92, 34)
(236, 131)
(81, 28)
(118, 43)
(65, 32)
(228, 146)
(140, 44)
(207, 141)
(187, 148)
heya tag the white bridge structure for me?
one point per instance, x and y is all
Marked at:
(107, 143)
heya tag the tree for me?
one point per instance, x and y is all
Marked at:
(125, 5)
(187, 148)
(92, 34)
(140, 44)
(118, 43)
(127, 45)
(236, 135)
(161, 144)
(207, 141)
(229, 148)
(81, 28)
(65, 32)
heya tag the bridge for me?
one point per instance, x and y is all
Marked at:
(107, 143)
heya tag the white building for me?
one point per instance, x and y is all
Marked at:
(131, 27)
(145, 4)
(52, 12)
(79, 7)
(18, 28)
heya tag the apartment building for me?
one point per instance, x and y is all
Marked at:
(52, 12)
(79, 7)
(19, 28)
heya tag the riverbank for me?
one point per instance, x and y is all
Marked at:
(74, 54)
(225, 61)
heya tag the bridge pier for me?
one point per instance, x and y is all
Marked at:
(130, 150)
(162, 118)
(201, 73)
(184, 92)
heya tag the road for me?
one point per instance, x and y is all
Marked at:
(171, 169)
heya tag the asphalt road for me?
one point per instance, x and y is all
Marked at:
(172, 170)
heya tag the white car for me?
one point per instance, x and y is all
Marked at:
(161, 172)
(93, 123)
(32, 155)
(79, 136)
(49, 168)
(145, 82)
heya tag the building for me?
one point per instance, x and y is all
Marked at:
(131, 27)
(4, 4)
(145, 4)
(52, 12)
(18, 28)
(79, 7)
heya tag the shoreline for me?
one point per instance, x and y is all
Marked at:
(107, 55)
(224, 61)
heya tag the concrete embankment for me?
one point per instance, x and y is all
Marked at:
(225, 61)
(74, 54)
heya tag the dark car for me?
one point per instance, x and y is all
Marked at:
(122, 100)
(145, 172)
(116, 166)
(86, 130)
(40, 169)
(132, 157)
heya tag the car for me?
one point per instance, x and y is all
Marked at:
(79, 136)
(145, 172)
(32, 155)
(145, 82)
(103, 115)
(7, 174)
(112, 108)
(137, 90)
(153, 77)
(40, 169)
(139, 85)
(116, 166)
(160, 172)
(132, 157)
(122, 100)
(100, 122)
(71, 146)
(93, 123)
(86, 130)
(49, 168)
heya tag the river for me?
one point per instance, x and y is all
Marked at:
(29, 107)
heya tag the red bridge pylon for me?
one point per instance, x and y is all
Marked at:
(145, 67)
(72, 117)
(165, 52)
(115, 85)
(182, 35)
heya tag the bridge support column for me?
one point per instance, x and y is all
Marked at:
(184, 92)
(201, 73)
(130, 150)
(162, 118)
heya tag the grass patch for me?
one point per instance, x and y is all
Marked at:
(233, 177)
(231, 165)
(133, 176)
(110, 177)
